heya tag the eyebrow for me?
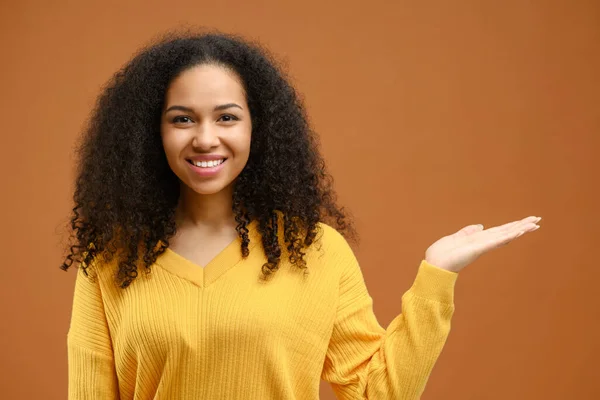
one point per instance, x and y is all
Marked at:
(217, 108)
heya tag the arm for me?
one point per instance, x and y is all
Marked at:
(91, 364)
(364, 361)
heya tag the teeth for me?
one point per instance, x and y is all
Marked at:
(208, 164)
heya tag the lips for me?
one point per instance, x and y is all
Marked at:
(206, 157)
(212, 163)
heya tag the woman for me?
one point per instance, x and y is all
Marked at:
(198, 168)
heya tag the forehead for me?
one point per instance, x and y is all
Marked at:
(206, 83)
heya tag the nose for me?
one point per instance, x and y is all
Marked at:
(205, 137)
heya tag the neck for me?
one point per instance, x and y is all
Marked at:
(206, 212)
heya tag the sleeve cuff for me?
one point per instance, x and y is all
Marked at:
(433, 283)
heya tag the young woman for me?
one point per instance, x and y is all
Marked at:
(212, 254)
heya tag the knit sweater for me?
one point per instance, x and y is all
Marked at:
(220, 332)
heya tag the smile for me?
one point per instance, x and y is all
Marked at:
(207, 164)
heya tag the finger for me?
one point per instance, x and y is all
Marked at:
(527, 225)
(502, 228)
(468, 230)
(528, 222)
(515, 225)
(511, 235)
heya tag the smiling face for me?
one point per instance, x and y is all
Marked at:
(206, 129)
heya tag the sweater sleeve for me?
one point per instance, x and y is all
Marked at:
(364, 361)
(91, 364)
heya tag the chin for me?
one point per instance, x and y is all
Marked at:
(208, 188)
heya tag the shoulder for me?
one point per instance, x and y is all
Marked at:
(331, 247)
(101, 270)
(330, 237)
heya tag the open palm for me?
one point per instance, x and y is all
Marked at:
(456, 251)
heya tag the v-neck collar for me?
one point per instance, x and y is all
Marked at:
(202, 277)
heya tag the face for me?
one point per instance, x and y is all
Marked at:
(206, 129)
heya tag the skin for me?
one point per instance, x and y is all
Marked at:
(206, 112)
(456, 251)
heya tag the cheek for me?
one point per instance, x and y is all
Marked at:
(171, 145)
(167, 149)
(247, 147)
(172, 150)
(245, 143)
(239, 145)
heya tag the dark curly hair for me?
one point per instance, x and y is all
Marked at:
(126, 210)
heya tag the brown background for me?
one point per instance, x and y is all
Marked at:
(432, 115)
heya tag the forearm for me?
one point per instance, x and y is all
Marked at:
(91, 375)
(409, 350)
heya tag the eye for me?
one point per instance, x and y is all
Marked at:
(181, 119)
(228, 118)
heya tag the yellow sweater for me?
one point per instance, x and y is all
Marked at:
(219, 332)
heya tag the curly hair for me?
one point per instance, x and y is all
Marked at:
(126, 210)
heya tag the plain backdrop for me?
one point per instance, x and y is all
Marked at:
(433, 115)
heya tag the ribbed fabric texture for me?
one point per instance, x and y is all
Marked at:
(219, 332)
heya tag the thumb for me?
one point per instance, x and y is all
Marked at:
(468, 230)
